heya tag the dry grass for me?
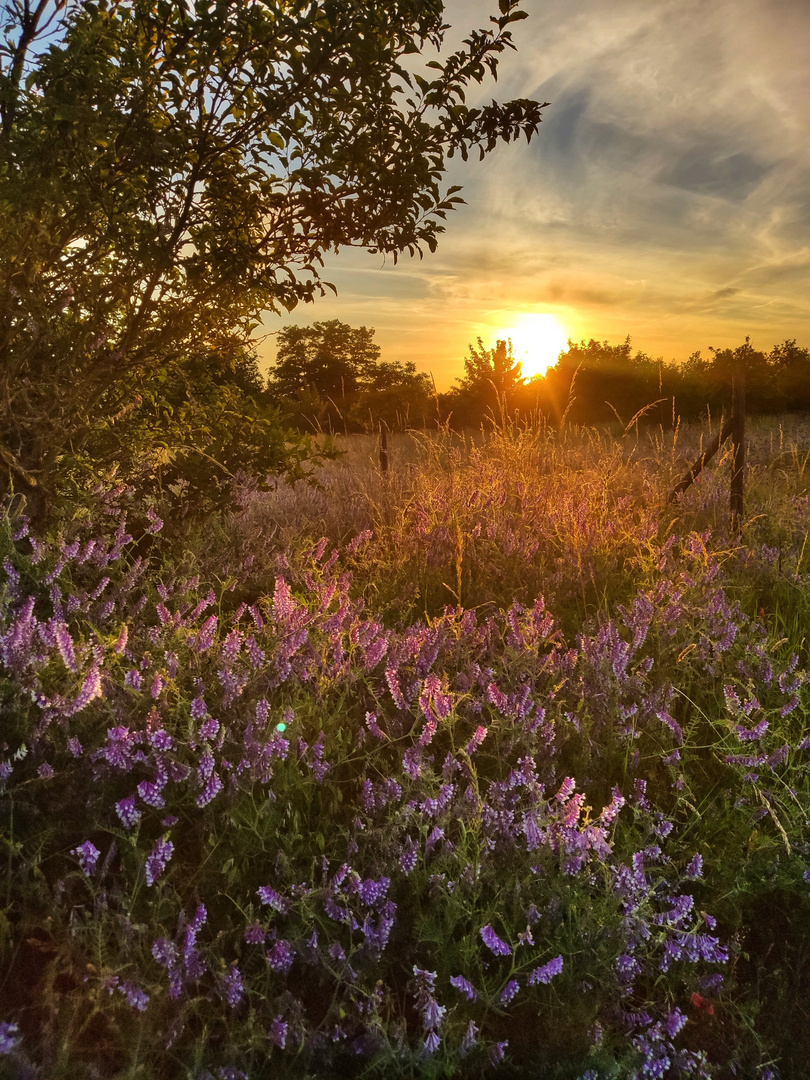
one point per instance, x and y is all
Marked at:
(525, 509)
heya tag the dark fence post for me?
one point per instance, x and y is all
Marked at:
(383, 448)
(694, 472)
(738, 449)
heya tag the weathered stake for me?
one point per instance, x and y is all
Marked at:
(738, 449)
(694, 472)
(383, 449)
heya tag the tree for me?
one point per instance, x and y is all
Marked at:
(790, 364)
(168, 171)
(329, 357)
(331, 375)
(760, 383)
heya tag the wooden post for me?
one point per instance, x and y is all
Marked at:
(694, 472)
(383, 448)
(738, 449)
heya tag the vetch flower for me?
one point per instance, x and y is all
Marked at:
(407, 860)
(91, 689)
(134, 995)
(87, 855)
(213, 786)
(493, 942)
(432, 1043)
(254, 933)
(128, 812)
(9, 1039)
(466, 987)
(509, 991)
(231, 986)
(206, 634)
(280, 957)
(133, 679)
(695, 868)
(271, 898)
(498, 1051)
(158, 860)
(278, 1032)
(547, 972)
(469, 1039)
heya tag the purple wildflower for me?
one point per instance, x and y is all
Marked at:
(271, 898)
(436, 834)
(674, 1023)
(209, 729)
(128, 812)
(493, 942)
(281, 956)
(158, 860)
(231, 986)
(566, 788)
(611, 811)
(91, 689)
(373, 726)
(432, 1014)
(547, 972)
(695, 868)
(498, 1051)
(134, 995)
(278, 1032)
(750, 734)
(87, 855)
(133, 679)
(212, 788)
(254, 933)
(161, 740)
(509, 991)
(9, 1039)
(150, 792)
(206, 634)
(469, 1039)
(464, 987)
(407, 860)
(476, 740)
(155, 524)
(165, 952)
(432, 1043)
(64, 642)
(371, 891)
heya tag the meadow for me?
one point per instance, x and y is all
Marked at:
(494, 764)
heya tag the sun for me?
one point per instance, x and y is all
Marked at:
(537, 341)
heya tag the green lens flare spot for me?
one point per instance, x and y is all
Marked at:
(281, 727)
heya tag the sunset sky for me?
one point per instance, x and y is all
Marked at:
(666, 196)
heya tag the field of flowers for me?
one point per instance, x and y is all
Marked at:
(494, 765)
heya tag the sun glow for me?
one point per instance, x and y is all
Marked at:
(537, 341)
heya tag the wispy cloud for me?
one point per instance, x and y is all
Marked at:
(667, 195)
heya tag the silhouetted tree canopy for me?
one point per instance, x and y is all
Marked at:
(169, 171)
(330, 375)
(491, 382)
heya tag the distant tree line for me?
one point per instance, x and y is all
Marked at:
(330, 377)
